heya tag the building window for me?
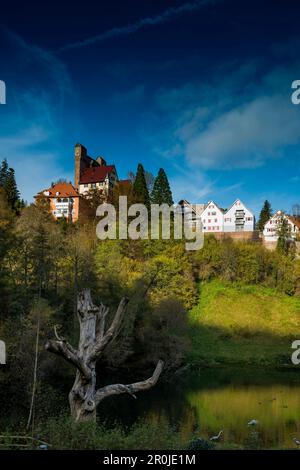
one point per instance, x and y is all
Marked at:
(85, 185)
(93, 185)
(209, 221)
(216, 220)
(227, 219)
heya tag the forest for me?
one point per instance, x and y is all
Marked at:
(45, 264)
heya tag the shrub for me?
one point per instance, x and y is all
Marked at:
(63, 433)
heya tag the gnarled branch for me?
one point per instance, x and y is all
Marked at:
(118, 389)
(103, 341)
(93, 340)
(65, 350)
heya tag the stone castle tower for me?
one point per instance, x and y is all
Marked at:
(83, 161)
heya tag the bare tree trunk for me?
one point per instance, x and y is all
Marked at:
(93, 340)
(31, 412)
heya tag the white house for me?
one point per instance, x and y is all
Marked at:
(270, 231)
(212, 218)
(192, 212)
(238, 218)
(103, 178)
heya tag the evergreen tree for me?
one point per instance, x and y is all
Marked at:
(283, 235)
(161, 192)
(10, 187)
(264, 216)
(140, 189)
(3, 172)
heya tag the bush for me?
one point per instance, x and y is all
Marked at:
(200, 444)
(63, 433)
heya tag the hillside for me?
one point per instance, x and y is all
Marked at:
(243, 324)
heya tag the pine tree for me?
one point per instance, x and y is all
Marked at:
(283, 235)
(10, 187)
(264, 216)
(3, 172)
(140, 189)
(161, 193)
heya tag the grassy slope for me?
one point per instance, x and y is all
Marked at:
(243, 324)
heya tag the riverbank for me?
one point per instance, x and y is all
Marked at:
(242, 325)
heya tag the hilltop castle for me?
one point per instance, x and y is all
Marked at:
(93, 173)
(67, 200)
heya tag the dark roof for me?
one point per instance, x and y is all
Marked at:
(96, 174)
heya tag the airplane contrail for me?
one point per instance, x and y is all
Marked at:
(164, 17)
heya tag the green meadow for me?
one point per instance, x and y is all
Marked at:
(238, 324)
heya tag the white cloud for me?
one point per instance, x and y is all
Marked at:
(197, 192)
(150, 21)
(246, 136)
(241, 119)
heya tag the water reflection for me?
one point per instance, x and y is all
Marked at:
(227, 399)
(276, 407)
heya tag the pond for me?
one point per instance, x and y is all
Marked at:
(210, 400)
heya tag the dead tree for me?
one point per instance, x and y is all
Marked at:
(94, 339)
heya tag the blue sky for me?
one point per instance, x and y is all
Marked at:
(200, 88)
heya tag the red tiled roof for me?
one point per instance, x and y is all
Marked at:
(64, 190)
(95, 174)
(294, 220)
(125, 182)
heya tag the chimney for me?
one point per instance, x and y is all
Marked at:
(80, 163)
